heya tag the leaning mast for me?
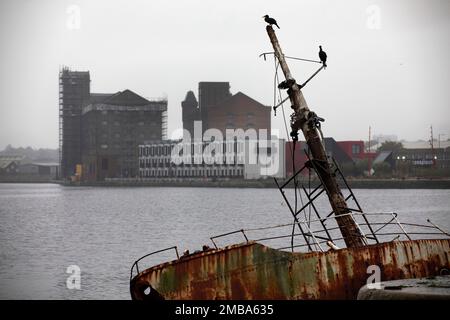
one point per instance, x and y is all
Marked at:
(305, 120)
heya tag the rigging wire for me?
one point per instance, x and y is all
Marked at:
(302, 59)
(292, 150)
(288, 57)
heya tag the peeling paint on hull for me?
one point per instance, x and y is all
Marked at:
(254, 271)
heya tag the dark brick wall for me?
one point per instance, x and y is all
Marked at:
(111, 140)
(239, 112)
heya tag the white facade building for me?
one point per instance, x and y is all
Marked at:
(211, 160)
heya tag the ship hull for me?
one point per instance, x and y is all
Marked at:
(254, 271)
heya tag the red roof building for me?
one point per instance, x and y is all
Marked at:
(355, 150)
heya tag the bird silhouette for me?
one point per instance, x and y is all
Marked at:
(323, 57)
(270, 20)
(286, 84)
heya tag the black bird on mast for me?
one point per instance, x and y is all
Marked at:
(270, 20)
(323, 57)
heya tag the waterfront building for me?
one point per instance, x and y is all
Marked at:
(180, 160)
(100, 132)
(218, 108)
(112, 130)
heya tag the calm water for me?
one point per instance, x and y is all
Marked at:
(44, 228)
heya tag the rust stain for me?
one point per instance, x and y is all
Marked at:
(254, 271)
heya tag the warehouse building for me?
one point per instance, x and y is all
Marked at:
(100, 132)
(218, 109)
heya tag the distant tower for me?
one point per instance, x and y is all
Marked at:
(432, 146)
(191, 112)
(74, 91)
(210, 94)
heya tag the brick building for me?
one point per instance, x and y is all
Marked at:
(344, 152)
(113, 126)
(100, 132)
(218, 108)
(355, 150)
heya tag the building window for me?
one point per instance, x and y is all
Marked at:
(105, 164)
(230, 120)
(356, 149)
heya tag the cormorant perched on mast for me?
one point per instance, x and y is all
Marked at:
(270, 20)
(323, 57)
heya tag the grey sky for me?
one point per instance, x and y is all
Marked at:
(395, 78)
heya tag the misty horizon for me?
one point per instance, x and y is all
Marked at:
(390, 73)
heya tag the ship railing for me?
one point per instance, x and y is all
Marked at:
(319, 239)
(136, 263)
(314, 240)
(227, 234)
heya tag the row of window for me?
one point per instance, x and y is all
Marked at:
(198, 172)
(141, 112)
(232, 116)
(124, 145)
(421, 156)
(196, 148)
(166, 161)
(140, 123)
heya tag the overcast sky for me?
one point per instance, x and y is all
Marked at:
(388, 60)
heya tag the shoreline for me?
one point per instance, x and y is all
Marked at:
(266, 183)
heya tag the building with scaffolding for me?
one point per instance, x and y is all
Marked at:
(74, 92)
(100, 132)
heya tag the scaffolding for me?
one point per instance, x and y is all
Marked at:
(164, 125)
(74, 90)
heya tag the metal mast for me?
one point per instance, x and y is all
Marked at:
(305, 120)
(432, 146)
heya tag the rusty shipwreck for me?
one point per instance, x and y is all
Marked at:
(327, 256)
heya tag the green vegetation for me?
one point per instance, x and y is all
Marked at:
(391, 146)
(382, 170)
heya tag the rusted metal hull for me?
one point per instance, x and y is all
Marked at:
(254, 271)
